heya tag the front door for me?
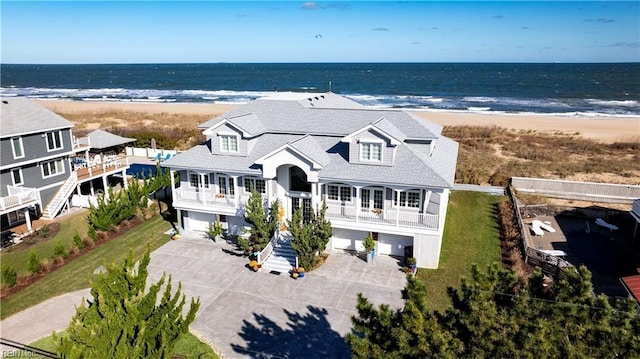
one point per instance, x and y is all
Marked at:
(304, 204)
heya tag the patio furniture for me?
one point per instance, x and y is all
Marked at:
(546, 226)
(602, 223)
(535, 228)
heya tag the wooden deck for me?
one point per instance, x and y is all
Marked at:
(114, 166)
(550, 240)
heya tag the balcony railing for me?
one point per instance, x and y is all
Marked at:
(18, 196)
(208, 197)
(387, 217)
(99, 166)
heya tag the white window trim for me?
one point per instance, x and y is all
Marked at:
(221, 135)
(200, 184)
(46, 139)
(13, 179)
(371, 142)
(395, 201)
(55, 174)
(253, 180)
(371, 199)
(228, 187)
(340, 186)
(13, 148)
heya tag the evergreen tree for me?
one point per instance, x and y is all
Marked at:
(263, 224)
(322, 231)
(123, 321)
(494, 316)
(303, 239)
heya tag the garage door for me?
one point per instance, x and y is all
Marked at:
(347, 239)
(198, 221)
(391, 244)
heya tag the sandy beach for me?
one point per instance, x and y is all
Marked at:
(604, 129)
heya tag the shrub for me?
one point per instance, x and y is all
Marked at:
(43, 231)
(77, 240)
(92, 234)
(34, 265)
(9, 275)
(59, 250)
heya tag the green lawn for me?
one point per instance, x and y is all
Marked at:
(77, 274)
(188, 346)
(471, 235)
(18, 257)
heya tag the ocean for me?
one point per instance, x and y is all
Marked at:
(562, 89)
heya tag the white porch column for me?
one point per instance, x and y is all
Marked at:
(93, 191)
(236, 190)
(316, 189)
(396, 202)
(201, 190)
(358, 202)
(27, 217)
(173, 186)
(125, 182)
(105, 185)
(179, 219)
(78, 189)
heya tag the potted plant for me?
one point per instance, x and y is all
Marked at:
(255, 265)
(215, 231)
(377, 211)
(369, 247)
(411, 265)
(300, 271)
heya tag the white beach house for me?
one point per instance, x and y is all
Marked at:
(383, 171)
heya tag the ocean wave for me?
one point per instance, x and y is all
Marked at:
(484, 104)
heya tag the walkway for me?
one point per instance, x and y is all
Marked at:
(243, 313)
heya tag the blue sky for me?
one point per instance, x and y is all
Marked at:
(298, 31)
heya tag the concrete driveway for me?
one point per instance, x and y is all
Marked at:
(248, 314)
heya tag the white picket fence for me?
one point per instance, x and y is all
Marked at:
(149, 152)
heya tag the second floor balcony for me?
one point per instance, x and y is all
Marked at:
(395, 217)
(18, 197)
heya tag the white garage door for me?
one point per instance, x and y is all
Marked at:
(391, 244)
(347, 239)
(198, 221)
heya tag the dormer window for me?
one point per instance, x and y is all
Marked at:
(228, 143)
(371, 151)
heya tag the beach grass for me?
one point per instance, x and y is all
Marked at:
(471, 235)
(78, 273)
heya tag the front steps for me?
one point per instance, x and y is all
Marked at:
(283, 257)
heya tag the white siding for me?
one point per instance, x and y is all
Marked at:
(198, 221)
(392, 244)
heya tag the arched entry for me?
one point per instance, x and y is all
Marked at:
(299, 192)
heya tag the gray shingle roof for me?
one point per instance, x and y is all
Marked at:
(310, 147)
(101, 139)
(283, 121)
(286, 116)
(21, 116)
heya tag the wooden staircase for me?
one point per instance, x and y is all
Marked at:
(61, 197)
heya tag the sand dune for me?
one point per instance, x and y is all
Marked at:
(605, 129)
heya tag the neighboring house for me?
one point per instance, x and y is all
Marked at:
(36, 171)
(383, 171)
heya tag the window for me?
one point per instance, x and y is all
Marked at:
(16, 144)
(194, 180)
(16, 176)
(52, 168)
(54, 140)
(339, 193)
(228, 143)
(16, 216)
(226, 185)
(256, 183)
(371, 151)
(371, 199)
(409, 199)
